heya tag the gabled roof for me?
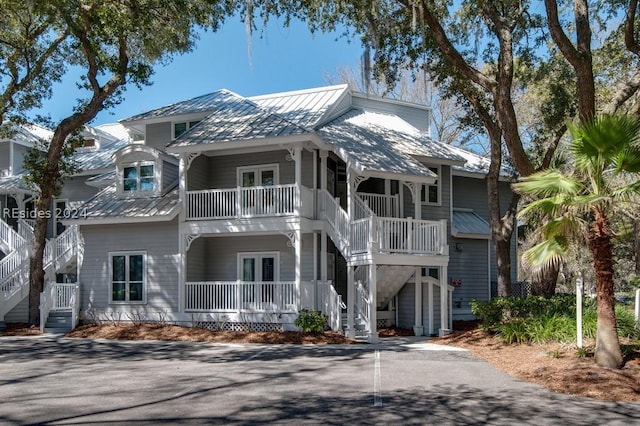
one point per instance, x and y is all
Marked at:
(236, 118)
(377, 143)
(307, 107)
(28, 134)
(106, 207)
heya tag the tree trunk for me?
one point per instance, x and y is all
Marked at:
(36, 262)
(608, 352)
(546, 285)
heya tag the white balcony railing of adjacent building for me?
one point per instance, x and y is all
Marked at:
(256, 201)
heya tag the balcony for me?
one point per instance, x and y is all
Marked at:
(256, 201)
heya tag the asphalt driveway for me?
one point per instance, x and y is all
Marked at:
(49, 380)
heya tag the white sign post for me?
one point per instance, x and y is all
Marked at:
(638, 307)
(579, 309)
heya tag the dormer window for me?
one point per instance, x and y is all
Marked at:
(138, 177)
(182, 127)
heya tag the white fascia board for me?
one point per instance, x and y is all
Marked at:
(397, 176)
(456, 234)
(239, 144)
(121, 220)
(438, 160)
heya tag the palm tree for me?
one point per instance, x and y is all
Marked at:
(604, 156)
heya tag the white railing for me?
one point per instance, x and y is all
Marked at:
(59, 297)
(411, 236)
(360, 209)
(361, 236)
(241, 296)
(382, 205)
(362, 305)
(10, 237)
(57, 248)
(331, 211)
(25, 229)
(330, 303)
(256, 201)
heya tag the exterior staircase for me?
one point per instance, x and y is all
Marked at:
(14, 269)
(58, 322)
(58, 301)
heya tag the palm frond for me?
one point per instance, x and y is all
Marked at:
(563, 227)
(547, 183)
(542, 257)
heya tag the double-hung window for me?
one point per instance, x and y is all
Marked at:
(430, 194)
(138, 177)
(128, 273)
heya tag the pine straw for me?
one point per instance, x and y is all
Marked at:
(555, 366)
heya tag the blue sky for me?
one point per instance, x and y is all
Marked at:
(282, 59)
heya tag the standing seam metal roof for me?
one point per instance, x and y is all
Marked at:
(236, 118)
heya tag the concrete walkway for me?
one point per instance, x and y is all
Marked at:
(53, 380)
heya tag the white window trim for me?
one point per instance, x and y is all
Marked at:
(438, 184)
(144, 277)
(259, 255)
(257, 169)
(157, 173)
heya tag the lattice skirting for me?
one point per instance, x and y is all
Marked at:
(239, 326)
(383, 323)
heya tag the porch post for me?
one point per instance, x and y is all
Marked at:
(418, 329)
(444, 303)
(351, 293)
(373, 305)
(323, 235)
(387, 197)
(182, 245)
(430, 306)
(298, 165)
(298, 259)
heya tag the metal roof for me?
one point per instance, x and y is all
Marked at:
(236, 118)
(89, 160)
(304, 107)
(467, 224)
(106, 206)
(383, 143)
(15, 185)
(202, 103)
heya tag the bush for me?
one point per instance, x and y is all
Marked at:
(311, 320)
(536, 319)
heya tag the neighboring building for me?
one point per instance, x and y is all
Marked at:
(237, 212)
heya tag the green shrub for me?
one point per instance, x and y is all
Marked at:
(311, 320)
(540, 320)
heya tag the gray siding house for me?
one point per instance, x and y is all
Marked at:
(238, 212)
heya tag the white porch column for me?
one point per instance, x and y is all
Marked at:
(430, 307)
(444, 303)
(297, 156)
(418, 329)
(351, 295)
(373, 305)
(323, 234)
(387, 197)
(182, 243)
(297, 244)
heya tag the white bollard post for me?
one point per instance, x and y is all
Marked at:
(579, 309)
(638, 307)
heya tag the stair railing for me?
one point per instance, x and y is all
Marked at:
(362, 305)
(47, 298)
(330, 303)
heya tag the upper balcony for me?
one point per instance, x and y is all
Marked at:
(250, 202)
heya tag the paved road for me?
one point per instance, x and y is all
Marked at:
(49, 380)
